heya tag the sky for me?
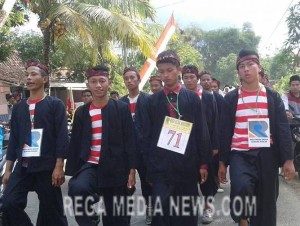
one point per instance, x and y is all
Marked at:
(266, 16)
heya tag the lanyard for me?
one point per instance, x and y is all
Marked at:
(177, 106)
(246, 105)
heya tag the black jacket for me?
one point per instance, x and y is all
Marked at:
(118, 147)
(50, 115)
(164, 166)
(279, 126)
(139, 111)
(211, 114)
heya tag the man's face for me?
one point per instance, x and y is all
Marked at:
(34, 79)
(168, 74)
(248, 71)
(295, 87)
(86, 97)
(205, 82)
(99, 86)
(115, 96)
(190, 81)
(12, 100)
(131, 80)
(214, 86)
(155, 86)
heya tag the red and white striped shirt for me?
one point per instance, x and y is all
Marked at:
(96, 120)
(32, 104)
(132, 105)
(250, 105)
(199, 92)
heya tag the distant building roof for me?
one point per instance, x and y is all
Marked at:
(12, 70)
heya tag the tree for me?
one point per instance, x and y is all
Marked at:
(187, 53)
(281, 64)
(9, 17)
(226, 70)
(95, 23)
(293, 41)
(215, 44)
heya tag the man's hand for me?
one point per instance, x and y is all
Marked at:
(289, 115)
(5, 178)
(288, 170)
(215, 152)
(131, 179)
(58, 175)
(7, 173)
(222, 173)
(203, 174)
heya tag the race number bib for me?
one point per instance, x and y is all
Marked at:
(36, 141)
(259, 132)
(174, 135)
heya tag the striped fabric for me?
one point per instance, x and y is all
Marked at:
(32, 104)
(199, 92)
(96, 120)
(248, 108)
(132, 105)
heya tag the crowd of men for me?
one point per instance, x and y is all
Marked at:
(178, 139)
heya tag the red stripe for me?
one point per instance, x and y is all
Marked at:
(260, 105)
(93, 160)
(132, 107)
(95, 153)
(253, 94)
(96, 142)
(97, 117)
(97, 130)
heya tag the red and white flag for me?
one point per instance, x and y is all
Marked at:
(160, 46)
(70, 101)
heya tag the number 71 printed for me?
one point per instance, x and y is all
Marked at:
(174, 135)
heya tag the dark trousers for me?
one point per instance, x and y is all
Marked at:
(210, 187)
(145, 186)
(254, 174)
(163, 194)
(51, 212)
(83, 185)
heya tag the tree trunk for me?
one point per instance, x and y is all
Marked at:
(47, 43)
(5, 11)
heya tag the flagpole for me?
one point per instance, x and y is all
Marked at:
(160, 46)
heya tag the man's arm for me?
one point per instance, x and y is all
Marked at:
(62, 143)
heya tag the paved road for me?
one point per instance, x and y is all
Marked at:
(288, 206)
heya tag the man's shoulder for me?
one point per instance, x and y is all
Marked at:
(207, 96)
(218, 95)
(124, 98)
(54, 100)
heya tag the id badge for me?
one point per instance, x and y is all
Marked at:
(259, 132)
(36, 141)
(174, 135)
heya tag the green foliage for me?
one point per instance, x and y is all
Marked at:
(187, 53)
(215, 50)
(5, 46)
(215, 44)
(281, 64)
(16, 17)
(293, 41)
(29, 46)
(226, 70)
(282, 86)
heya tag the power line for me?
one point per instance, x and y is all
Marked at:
(278, 23)
(174, 3)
